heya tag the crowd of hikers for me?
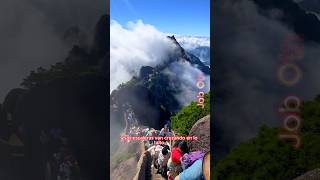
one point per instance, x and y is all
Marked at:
(173, 160)
(61, 162)
(176, 162)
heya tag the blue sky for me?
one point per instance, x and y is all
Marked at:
(185, 17)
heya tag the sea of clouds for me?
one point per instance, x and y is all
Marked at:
(192, 42)
(197, 45)
(134, 46)
(138, 44)
(32, 34)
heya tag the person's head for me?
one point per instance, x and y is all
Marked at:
(164, 151)
(176, 144)
(166, 127)
(167, 147)
(183, 147)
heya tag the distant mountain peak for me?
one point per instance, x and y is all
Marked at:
(173, 38)
(295, 17)
(176, 43)
(192, 59)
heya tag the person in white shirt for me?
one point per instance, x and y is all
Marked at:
(163, 158)
(165, 132)
(155, 151)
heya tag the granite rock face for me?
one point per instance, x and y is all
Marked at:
(201, 129)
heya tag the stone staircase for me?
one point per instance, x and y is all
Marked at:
(156, 176)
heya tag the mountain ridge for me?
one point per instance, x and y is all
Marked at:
(152, 89)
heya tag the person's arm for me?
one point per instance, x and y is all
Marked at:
(152, 147)
(161, 132)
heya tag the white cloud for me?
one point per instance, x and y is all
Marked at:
(135, 46)
(141, 44)
(185, 76)
(192, 42)
(198, 46)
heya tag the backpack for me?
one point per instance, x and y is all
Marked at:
(189, 158)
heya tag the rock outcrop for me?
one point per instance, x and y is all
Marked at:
(311, 175)
(200, 129)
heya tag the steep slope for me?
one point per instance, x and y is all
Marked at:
(299, 20)
(70, 96)
(152, 95)
(246, 58)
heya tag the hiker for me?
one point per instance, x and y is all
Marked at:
(138, 131)
(145, 131)
(168, 124)
(189, 158)
(65, 171)
(194, 172)
(151, 133)
(163, 158)
(174, 163)
(165, 131)
(193, 166)
(130, 131)
(129, 118)
(146, 134)
(155, 151)
(179, 151)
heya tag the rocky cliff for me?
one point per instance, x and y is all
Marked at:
(71, 96)
(200, 129)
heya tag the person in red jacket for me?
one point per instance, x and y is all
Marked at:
(178, 150)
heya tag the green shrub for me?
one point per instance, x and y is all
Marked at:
(60, 70)
(183, 121)
(265, 157)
